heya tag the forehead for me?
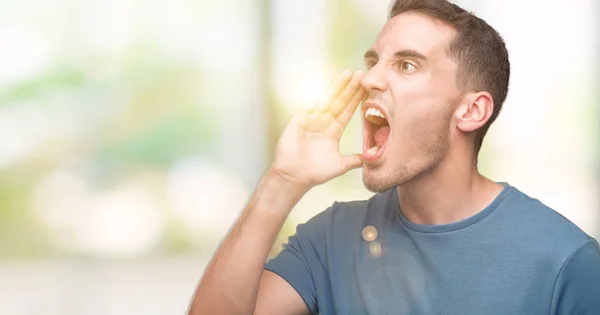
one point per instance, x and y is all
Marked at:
(413, 30)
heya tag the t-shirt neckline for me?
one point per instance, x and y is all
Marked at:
(444, 228)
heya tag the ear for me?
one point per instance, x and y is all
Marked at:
(474, 111)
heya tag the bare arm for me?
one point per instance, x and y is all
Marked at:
(230, 282)
(307, 154)
(276, 297)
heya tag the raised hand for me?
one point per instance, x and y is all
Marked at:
(307, 152)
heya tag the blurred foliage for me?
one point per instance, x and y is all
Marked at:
(59, 79)
(21, 234)
(347, 51)
(143, 114)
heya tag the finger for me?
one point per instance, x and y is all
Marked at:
(352, 162)
(346, 115)
(347, 94)
(336, 88)
(302, 115)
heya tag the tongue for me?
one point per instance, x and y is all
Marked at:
(381, 135)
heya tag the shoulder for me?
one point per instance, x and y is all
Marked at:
(540, 218)
(537, 225)
(577, 285)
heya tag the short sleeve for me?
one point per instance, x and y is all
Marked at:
(300, 262)
(577, 289)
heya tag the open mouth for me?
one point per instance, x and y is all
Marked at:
(377, 131)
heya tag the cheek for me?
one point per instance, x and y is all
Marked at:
(421, 105)
(418, 125)
(409, 88)
(422, 98)
(412, 106)
(414, 93)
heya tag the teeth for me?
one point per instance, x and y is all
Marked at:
(373, 150)
(371, 111)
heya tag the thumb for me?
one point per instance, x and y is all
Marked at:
(352, 161)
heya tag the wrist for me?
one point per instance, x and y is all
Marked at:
(275, 196)
(286, 181)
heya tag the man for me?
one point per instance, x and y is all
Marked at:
(438, 237)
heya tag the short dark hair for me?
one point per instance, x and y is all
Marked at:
(478, 50)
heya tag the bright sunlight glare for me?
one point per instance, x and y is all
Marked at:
(305, 91)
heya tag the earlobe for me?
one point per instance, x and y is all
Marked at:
(475, 112)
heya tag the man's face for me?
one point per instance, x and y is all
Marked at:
(412, 82)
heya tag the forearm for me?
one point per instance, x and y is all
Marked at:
(231, 280)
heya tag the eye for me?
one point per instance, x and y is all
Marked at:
(407, 67)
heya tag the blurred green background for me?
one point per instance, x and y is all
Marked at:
(133, 132)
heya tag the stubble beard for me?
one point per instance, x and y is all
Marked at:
(379, 178)
(432, 145)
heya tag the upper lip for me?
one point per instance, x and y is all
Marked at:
(372, 104)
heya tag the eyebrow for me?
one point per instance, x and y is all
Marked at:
(404, 53)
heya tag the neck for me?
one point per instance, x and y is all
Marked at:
(449, 193)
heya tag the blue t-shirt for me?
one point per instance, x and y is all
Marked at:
(516, 256)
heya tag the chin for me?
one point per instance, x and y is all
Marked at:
(382, 178)
(378, 180)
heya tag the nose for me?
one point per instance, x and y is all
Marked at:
(374, 79)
